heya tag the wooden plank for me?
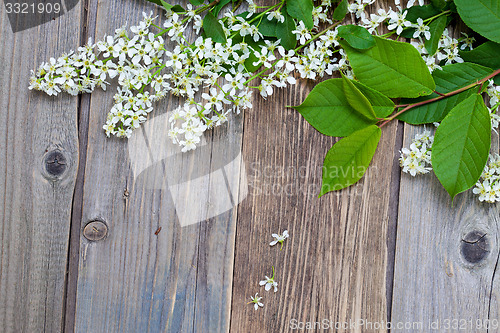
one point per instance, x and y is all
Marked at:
(39, 160)
(336, 268)
(447, 256)
(333, 266)
(141, 278)
(88, 31)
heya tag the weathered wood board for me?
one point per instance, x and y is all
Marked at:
(333, 266)
(141, 278)
(38, 166)
(389, 248)
(445, 272)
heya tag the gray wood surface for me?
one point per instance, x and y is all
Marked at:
(37, 133)
(333, 266)
(389, 248)
(446, 257)
(140, 279)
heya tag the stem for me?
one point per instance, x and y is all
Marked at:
(442, 96)
(209, 6)
(436, 16)
(259, 15)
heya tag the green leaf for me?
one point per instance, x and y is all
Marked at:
(341, 11)
(219, 7)
(268, 27)
(393, 68)
(356, 36)
(408, 33)
(423, 12)
(213, 28)
(382, 105)
(436, 29)
(302, 11)
(196, 2)
(461, 145)
(482, 16)
(284, 32)
(357, 100)
(347, 161)
(326, 108)
(450, 78)
(486, 54)
(167, 6)
(439, 4)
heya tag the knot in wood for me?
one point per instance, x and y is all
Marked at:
(55, 163)
(95, 231)
(475, 246)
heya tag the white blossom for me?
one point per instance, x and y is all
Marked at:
(269, 283)
(279, 238)
(256, 301)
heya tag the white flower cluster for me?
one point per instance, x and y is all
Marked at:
(129, 58)
(223, 68)
(417, 159)
(72, 72)
(488, 186)
(211, 77)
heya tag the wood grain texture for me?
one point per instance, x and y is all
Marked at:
(446, 256)
(89, 16)
(35, 197)
(141, 278)
(336, 267)
(333, 266)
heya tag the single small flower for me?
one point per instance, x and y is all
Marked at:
(255, 300)
(269, 283)
(421, 28)
(279, 238)
(411, 3)
(398, 21)
(467, 41)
